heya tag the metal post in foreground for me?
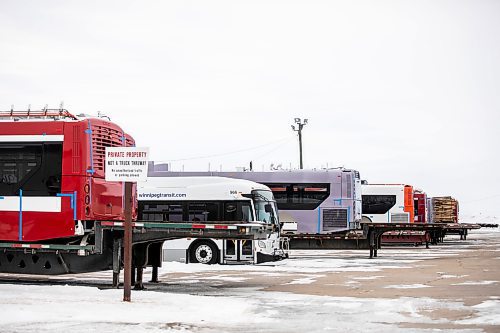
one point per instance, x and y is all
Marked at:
(127, 244)
(116, 158)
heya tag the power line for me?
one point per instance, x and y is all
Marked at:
(229, 153)
(274, 149)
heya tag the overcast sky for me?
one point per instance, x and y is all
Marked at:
(403, 91)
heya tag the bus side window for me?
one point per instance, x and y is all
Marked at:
(160, 212)
(203, 211)
(246, 212)
(230, 211)
(174, 213)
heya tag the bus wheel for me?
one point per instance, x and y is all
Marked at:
(204, 252)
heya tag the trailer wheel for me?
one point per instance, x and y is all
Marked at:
(204, 252)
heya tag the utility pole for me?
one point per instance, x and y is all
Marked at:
(300, 125)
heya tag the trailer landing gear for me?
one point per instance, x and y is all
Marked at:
(117, 253)
(139, 285)
(154, 275)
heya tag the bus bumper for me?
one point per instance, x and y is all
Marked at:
(276, 256)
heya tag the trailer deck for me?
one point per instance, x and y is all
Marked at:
(369, 236)
(102, 251)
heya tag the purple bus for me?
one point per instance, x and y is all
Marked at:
(317, 201)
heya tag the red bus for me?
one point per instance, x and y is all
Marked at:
(52, 174)
(420, 205)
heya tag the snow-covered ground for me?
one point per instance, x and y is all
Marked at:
(185, 306)
(82, 309)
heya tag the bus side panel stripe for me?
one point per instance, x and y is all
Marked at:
(319, 220)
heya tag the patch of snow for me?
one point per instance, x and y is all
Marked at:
(224, 278)
(451, 276)
(306, 280)
(270, 274)
(373, 277)
(80, 309)
(487, 314)
(352, 282)
(474, 283)
(408, 286)
(302, 265)
(187, 281)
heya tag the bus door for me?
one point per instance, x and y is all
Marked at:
(238, 250)
(246, 250)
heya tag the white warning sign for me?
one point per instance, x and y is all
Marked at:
(126, 164)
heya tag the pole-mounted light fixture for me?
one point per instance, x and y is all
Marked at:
(300, 126)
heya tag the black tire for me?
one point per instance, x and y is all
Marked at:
(204, 252)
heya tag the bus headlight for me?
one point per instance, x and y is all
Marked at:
(262, 244)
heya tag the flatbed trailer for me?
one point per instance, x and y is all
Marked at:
(406, 237)
(461, 229)
(369, 236)
(488, 225)
(102, 249)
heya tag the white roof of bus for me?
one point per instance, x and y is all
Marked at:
(382, 188)
(196, 188)
(277, 176)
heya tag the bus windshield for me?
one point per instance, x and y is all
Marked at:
(265, 206)
(377, 204)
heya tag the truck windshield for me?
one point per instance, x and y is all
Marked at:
(265, 206)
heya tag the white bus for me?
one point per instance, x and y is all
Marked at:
(309, 201)
(214, 199)
(387, 203)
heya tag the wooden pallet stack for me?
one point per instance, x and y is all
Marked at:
(444, 210)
